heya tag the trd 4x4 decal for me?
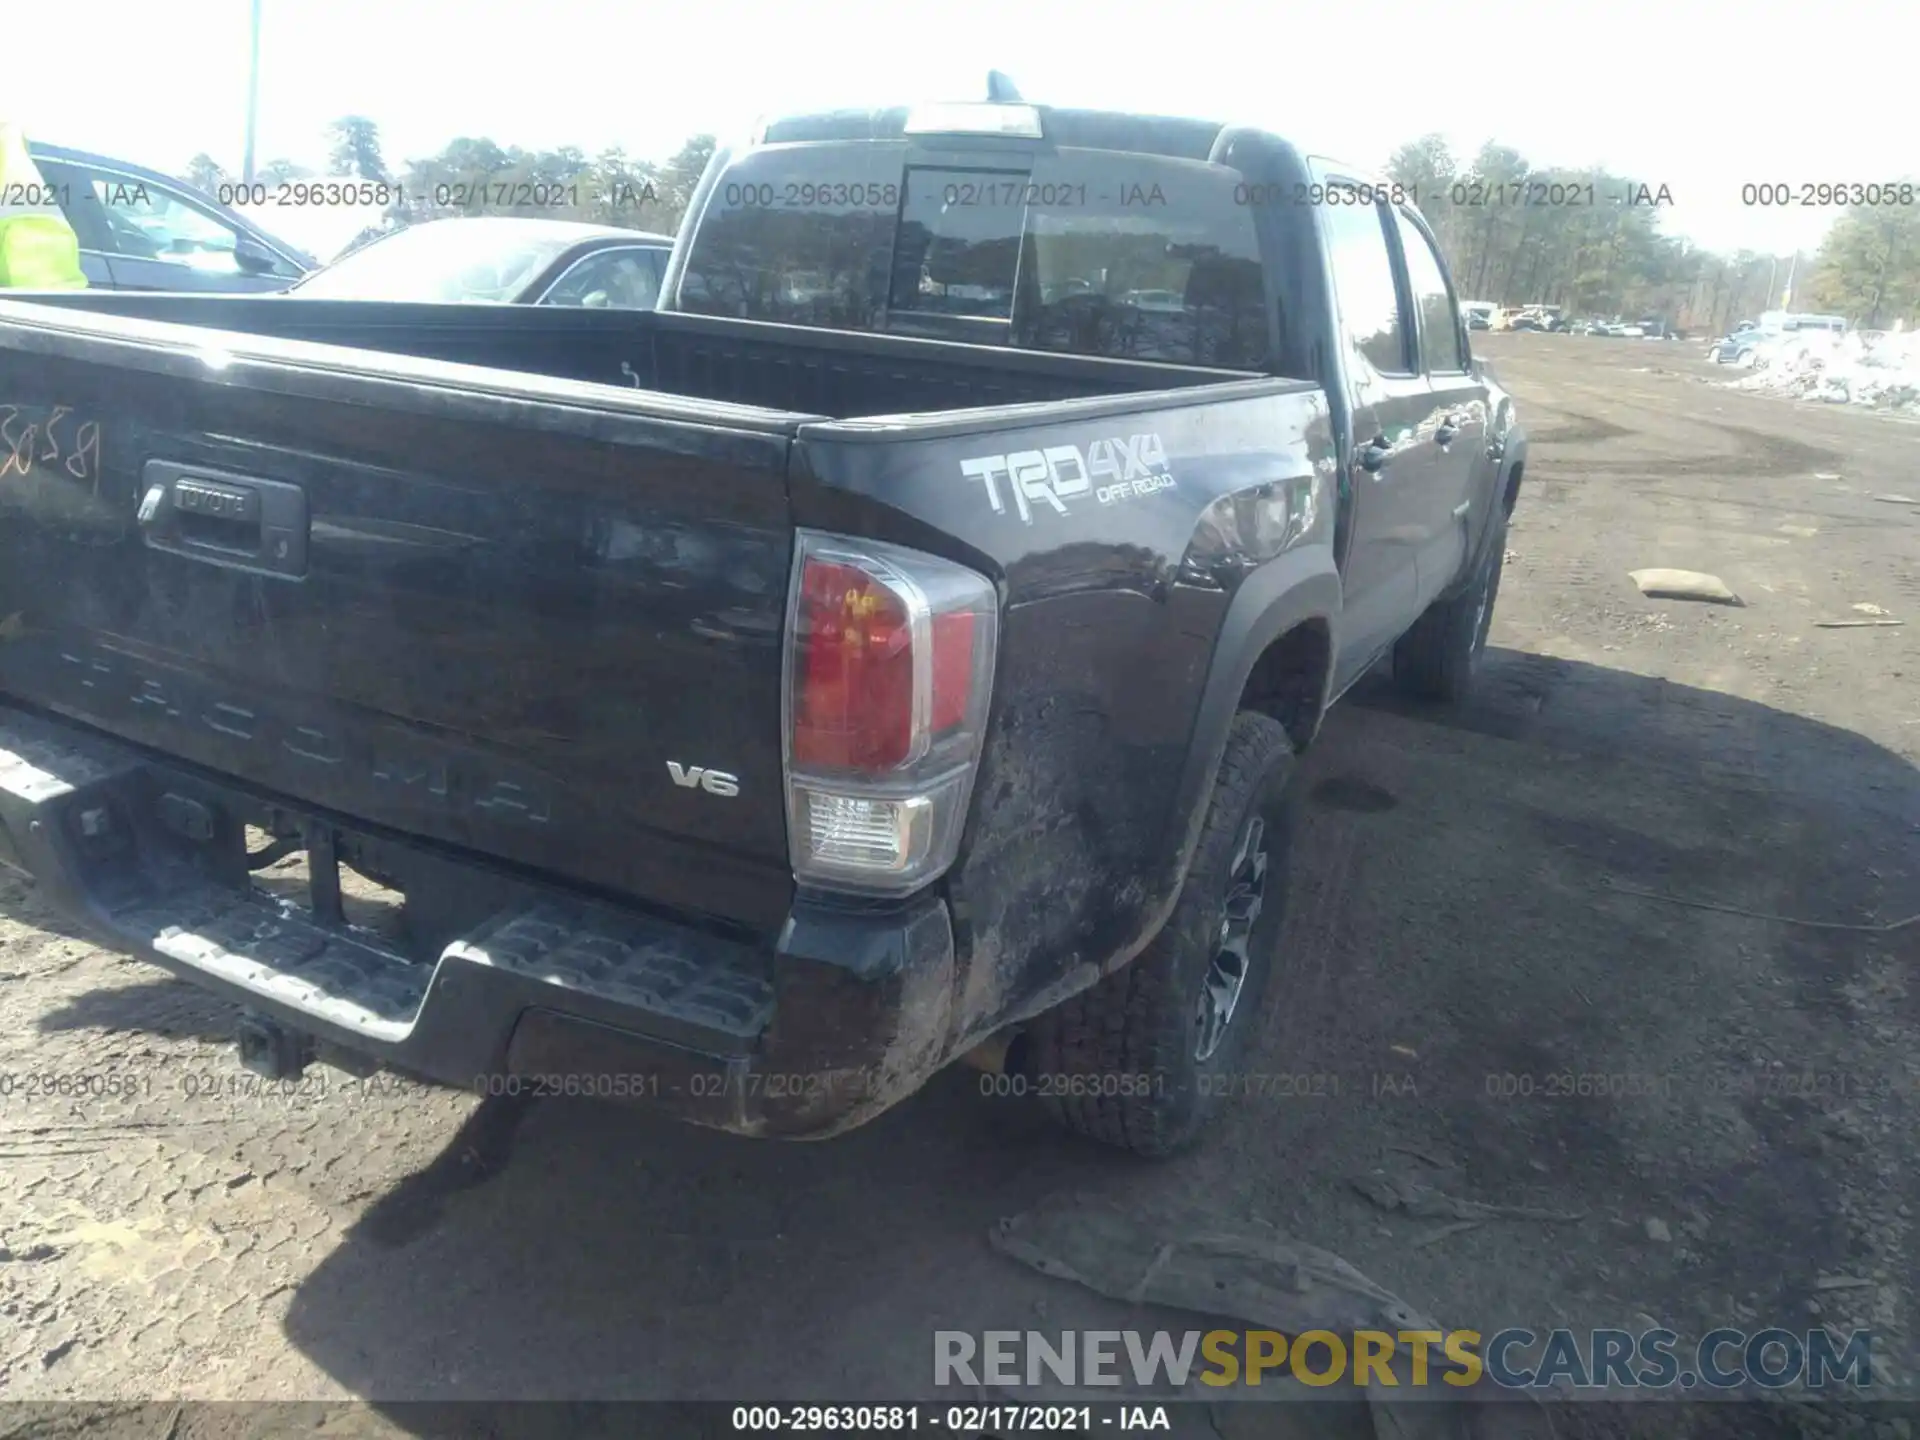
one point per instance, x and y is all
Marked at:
(1108, 470)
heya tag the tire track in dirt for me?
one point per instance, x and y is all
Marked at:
(1752, 453)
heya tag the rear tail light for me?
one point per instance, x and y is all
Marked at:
(889, 670)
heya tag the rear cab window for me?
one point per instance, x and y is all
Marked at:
(1081, 251)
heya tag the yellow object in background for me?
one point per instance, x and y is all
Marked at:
(38, 249)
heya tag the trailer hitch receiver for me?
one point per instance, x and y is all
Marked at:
(270, 1050)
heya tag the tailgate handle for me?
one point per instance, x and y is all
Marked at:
(223, 519)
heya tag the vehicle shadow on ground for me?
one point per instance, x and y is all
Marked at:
(561, 1249)
(1569, 704)
(1448, 921)
(19, 902)
(158, 1006)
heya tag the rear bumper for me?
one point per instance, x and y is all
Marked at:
(526, 989)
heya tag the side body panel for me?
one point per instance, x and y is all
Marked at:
(1394, 460)
(1125, 538)
(1456, 500)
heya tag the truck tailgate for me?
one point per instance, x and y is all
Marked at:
(529, 618)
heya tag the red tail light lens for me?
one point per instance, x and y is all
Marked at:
(853, 704)
(952, 669)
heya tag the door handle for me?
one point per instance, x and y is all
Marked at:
(1374, 457)
(233, 521)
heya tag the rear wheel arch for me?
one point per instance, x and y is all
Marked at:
(1288, 679)
(1296, 591)
(1510, 494)
(1272, 658)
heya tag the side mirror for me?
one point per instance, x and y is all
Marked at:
(253, 258)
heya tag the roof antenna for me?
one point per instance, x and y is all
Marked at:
(1001, 90)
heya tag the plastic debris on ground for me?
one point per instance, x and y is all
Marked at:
(1880, 369)
(1664, 584)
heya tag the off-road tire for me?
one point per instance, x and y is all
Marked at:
(1437, 658)
(1117, 1062)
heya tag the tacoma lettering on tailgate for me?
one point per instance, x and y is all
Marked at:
(394, 766)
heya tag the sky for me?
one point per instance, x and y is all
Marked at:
(1702, 96)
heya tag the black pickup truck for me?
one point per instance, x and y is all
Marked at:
(899, 642)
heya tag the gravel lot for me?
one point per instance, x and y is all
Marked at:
(1465, 927)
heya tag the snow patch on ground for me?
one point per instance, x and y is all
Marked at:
(1875, 368)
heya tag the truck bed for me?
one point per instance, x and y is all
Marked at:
(735, 362)
(494, 608)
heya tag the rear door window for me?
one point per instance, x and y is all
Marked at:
(1442, 345)
(73, 190)
(137, 219)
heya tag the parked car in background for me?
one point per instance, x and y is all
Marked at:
(1479, 313)
(1537, 317)
(503, 259)
(142, 230)
(1741, 346)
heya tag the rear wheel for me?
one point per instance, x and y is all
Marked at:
(1139, 1060)
(1437, 658)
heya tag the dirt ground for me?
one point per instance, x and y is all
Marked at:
(1473, 918)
